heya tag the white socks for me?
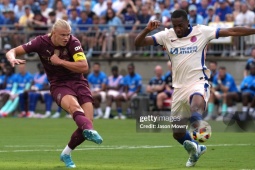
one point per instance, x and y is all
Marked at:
(66, 151)
(107, 112)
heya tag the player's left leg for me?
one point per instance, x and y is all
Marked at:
(197, 108)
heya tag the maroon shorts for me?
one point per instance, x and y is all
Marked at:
(78, 88)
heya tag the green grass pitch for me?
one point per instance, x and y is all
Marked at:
(32, 144)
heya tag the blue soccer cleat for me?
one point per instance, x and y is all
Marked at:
(195, 151)
(67, 160)
(93, 136)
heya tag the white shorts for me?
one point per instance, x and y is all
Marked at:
(181, 98)
(129, 94)
(103, 96)
(113, 93)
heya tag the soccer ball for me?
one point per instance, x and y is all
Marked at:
(201, 133)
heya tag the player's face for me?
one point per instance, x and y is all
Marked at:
(115, 73)
(180, 26)
(130, 70)
(61, 36)
(222, 73)
(96, 68)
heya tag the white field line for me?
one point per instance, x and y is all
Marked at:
(99, 147)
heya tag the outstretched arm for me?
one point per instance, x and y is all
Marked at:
(11, 55)
(142, 39)
(236, 31)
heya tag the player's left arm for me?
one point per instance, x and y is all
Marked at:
(236, 31)
(80, 64)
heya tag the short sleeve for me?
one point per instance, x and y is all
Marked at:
(210, 32)
(32, 46)
(76, 51)
(158, 38)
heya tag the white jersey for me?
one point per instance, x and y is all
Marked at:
(187, 54)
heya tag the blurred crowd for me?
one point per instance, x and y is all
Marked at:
(107, 28)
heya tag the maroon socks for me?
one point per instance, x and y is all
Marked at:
(81, 121)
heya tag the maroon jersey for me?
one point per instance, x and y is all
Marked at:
(45, 49)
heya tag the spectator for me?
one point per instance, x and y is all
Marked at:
(133, 84)
(211, 16)
(60, 9)
(251, 5)
(114, 88)
(143, 18)
(165, 12)
(19, 8)
(38, 23)
(194, 18)
(248, 91)
(156, 85)
(52, 19)
(245, 17)
(223, 10)
(22, 82)
(99, 7)
(84, 29)
(157, 16)
(8, 80)
(150, 6)
(12, 29)
(167, 87)
(115, 27)
(6, 5)
(249, 62)
(74, 5)
(213, 67)
(30, 96)
(23, 21)
(128, 37)
(203, 8)
(88, 10)
(74, 19)
(108, 6)
(34, 5)
(236, 8)
(97, 80)
(45, 10)
(223, 86)
(97, 36)
(184, 5)
(138, 5)
(118, 5)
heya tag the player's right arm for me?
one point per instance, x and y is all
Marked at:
(142, 39)
(11, 55)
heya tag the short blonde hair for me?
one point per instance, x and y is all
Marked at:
(61, 24)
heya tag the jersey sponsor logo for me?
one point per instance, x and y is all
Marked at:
(77, 48)
(183, 50)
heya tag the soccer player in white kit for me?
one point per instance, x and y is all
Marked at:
(186, 47)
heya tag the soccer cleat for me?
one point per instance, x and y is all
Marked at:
(195, 151)
(191, 148)
(67, 160)
(93, 136)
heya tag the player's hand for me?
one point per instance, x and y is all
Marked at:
(15, 61)
(152, 25)
(55, 60)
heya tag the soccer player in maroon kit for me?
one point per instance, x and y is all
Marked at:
(64, 62)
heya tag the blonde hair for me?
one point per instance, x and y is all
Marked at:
(60, 24)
